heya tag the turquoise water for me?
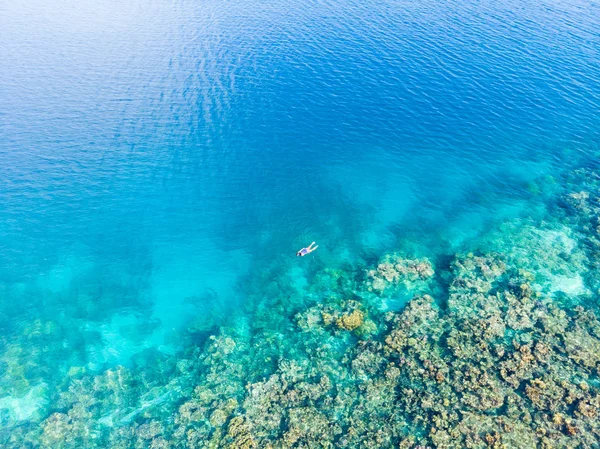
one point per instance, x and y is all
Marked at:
(162, 162)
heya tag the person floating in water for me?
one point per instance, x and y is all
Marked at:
(309, 249)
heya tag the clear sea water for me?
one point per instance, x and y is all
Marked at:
(155, 154)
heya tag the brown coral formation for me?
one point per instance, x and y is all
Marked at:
(351, 321)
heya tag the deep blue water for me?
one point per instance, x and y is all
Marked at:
(153, 152)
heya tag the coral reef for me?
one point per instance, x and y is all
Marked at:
(395, 270)
(500, 348)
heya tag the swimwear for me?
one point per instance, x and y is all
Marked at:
(304, 251)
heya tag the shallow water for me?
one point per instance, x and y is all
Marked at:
(159, 161)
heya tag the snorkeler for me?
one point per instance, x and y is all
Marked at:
(309, 249)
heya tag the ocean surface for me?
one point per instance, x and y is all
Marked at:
(160, 160)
